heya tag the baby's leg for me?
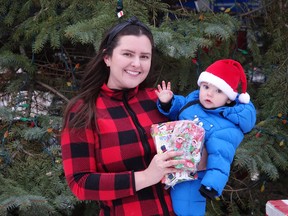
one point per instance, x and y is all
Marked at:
(186, 198)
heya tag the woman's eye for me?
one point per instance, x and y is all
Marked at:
(127, 54)
(145, 57)
(219, 91)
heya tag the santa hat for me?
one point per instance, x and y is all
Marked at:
(227, 74)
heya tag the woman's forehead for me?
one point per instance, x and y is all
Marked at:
(132, 42)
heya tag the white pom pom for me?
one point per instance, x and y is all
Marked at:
(244, 98)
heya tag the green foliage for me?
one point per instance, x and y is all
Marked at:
(184, 37)
(262, 156)
(274, 94)
(32, 33)
(9, 59)
(34, 26)
(264, 151)
(15, 199)
(32, 178)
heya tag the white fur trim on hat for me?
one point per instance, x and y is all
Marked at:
(219, 83)
(244, 98)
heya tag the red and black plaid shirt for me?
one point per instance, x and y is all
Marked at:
(100, 165)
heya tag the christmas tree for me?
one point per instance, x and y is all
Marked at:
(46, 44)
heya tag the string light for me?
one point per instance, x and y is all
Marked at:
(278, 136)
(258, 134)
(262, 189)
(119, 9)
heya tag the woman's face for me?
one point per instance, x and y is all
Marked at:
(130, 62)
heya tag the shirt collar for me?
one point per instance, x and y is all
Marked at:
(117, 94)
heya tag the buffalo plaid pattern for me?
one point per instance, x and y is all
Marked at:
(100, 164)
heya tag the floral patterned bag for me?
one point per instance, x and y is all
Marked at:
(183, 135)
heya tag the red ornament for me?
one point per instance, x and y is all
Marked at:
(194, 60)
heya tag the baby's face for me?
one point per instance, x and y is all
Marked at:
(212, 97)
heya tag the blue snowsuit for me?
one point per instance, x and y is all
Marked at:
(224, 130)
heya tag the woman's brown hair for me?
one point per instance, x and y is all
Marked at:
(97, 73)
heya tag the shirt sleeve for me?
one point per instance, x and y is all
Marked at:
(79, 163)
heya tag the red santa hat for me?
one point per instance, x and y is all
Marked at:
(227, 74)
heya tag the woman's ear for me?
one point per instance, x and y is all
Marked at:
(228, 101)
(107, 60)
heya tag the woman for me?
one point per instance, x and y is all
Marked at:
(107, 150)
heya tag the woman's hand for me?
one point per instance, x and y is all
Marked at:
(164, 92)
(160, 165)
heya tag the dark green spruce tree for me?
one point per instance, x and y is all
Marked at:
(261, 162)
(44, 46)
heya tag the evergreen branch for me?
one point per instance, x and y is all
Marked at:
(258, 9)
(5, 114)
(40, 40)
(35, 133)
(26, 203)
(89, 31)
(218, 31)
(16, 61)
(53, 90)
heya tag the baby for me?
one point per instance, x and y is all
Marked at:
(225, 115)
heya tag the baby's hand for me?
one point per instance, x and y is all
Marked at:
(164, 92)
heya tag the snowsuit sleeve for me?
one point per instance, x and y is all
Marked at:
(243, 115)
(221, 148)
(178, 101)
(79, 163)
